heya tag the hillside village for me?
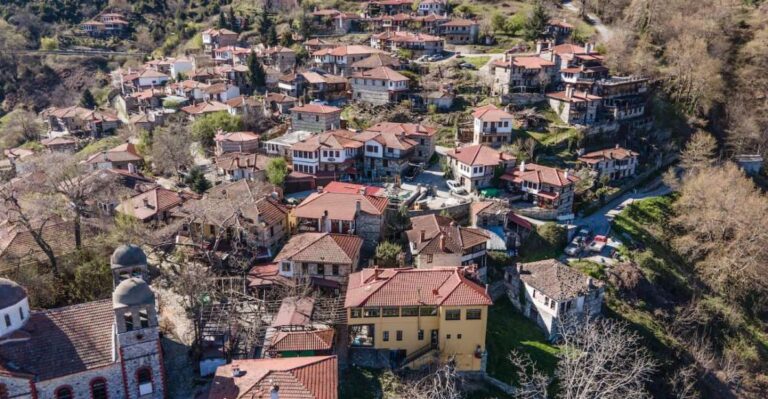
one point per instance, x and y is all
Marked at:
(387, 198)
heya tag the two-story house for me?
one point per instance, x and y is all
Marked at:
(344, 213)
(315, 118)
(243, 215)
(521, 74)
(79, 121)
(437, 7)
(336, 153)
(279, 57)
(460, 31)
(549, 292)
(234, 166)
(322, 259)
(544, 186)
(215, 38)
(417, 43)
(417, 316)
(379, 86)
(377, 61)
(339, 60)
(125, 156)
(575, 107)
(107, 24)
(389, 7)
(295, 332)
(423, 136)
(492, 126)
(385, 154)
(474, 167)
(438, 241)
(155, 205)
(616, 163)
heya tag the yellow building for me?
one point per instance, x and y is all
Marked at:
(415, 316)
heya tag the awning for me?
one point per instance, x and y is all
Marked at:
(321, 282)
(519, 221)
(508, 177)
(548, 195)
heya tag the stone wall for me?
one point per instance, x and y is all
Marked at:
(369, 228)
(17, 387)
(80, 383)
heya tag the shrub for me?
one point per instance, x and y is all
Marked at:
(553, 234)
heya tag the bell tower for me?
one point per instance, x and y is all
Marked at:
(128, 261)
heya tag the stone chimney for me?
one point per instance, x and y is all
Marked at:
(358, 205)
(319, 189)
(442, 242)
(146, 202)
(522, 166)
(422, 235)
(589, 47)
(519, 268)
(566, 174)
(236, 372)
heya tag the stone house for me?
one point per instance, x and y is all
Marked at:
(544, 186)
(315, 118)
(152, 205)
(79, 121)
(437, 7)
(460, 31)
(60, 144)
(338, 60)
(475, 166)
(379, 86)
(125, 157)
(386, 153)
(521, 74)
(336, 153)
(616, 163)
(424, 137)
(321, 259)
(106, 348)
(279, 57)
(106, 24)
(244, 211)
(549, 293)
(492, 126)
(417, 43)
(234, 166)
(343, 213)
(278, 103)
(438, 241)
(215, 38)
(575, 107)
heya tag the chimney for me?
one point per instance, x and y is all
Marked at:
(617, 146)
(146, 202)
(376, 273)
(568, 91)
(522, 166)
(589, 282)
(442, 242)
(358, 204)
(132, 167)
(501, 155)
(236, 372)
(566, 174)
(275, 392)
(319, 189)
(519, 268)
(539, 46)
(422, 235)
(589, 47)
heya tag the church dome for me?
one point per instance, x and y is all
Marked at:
(10, 293)
(128, 255)
(131, 292)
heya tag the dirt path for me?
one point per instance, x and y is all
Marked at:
(604, 30)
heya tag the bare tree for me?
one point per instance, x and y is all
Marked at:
(443, 383)
(19, 127)
(171, 149)
(531, 383)
(700, 152)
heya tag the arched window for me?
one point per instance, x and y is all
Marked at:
(64, 393)
(4, 392)
(99, 389)
(144, 377)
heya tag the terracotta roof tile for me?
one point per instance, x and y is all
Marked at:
(321, 248)
(313, 377)
(62, 341)
(539, 174)
(315, 340)
(413, 287)
(441, 235)
(381, 73)
(479, 155)
(316, 109)
(555, 279)
(339, 206)
(609, 153)
(490, 113)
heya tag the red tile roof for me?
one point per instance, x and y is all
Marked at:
(442, 235)
(316, 340)
(237, 136)
(62, 342)
(576, 97)
(125, 152)
(609, 153)
(407, 37)
(381, 73)
(205, 107)
(314, 377)
(539, 174)
(413, 287)
(460, 22)
(409, 129)
(531, 62)
(294, 312)
(316, 109)
(321, 248)
(334, 140)
(342, 51)
(479, 155)
(491, 113)
(150, 203)
(351, 188)
(339, 206)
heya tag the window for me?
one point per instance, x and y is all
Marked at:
(371, 312)
(386, 336)
(399, 335)
(21, 312)
(421, 335)
(453, 314)
(474, 314)
(355, 313)
(335, 269)
(321, 269)
(298, 116)
(144, 318)
(428, 311)
(62, 393)
(448, 336)
(304, 268)
(409, 312)
(144, 377)
(391, 312)
(7, 320)
(128, 318)
(99, 389)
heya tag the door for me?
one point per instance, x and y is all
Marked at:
(434, 338)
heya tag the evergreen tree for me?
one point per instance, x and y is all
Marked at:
(222, 20)
(271, 38)
(264, 23)
(256, 75)
(197, 181)
(233, 24)
(87, 100)
(536, 23)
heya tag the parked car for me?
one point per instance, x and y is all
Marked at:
(598, 243)
(466, 65)
(572, 249)
(456, 189)
(423, 58)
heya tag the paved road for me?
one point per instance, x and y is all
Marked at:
(605, 32)
(600, 221)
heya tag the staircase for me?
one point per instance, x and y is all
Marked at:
(418, 354)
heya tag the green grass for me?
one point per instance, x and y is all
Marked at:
(477, 62)
(590, 268)
(99, 145)
(508, 330)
